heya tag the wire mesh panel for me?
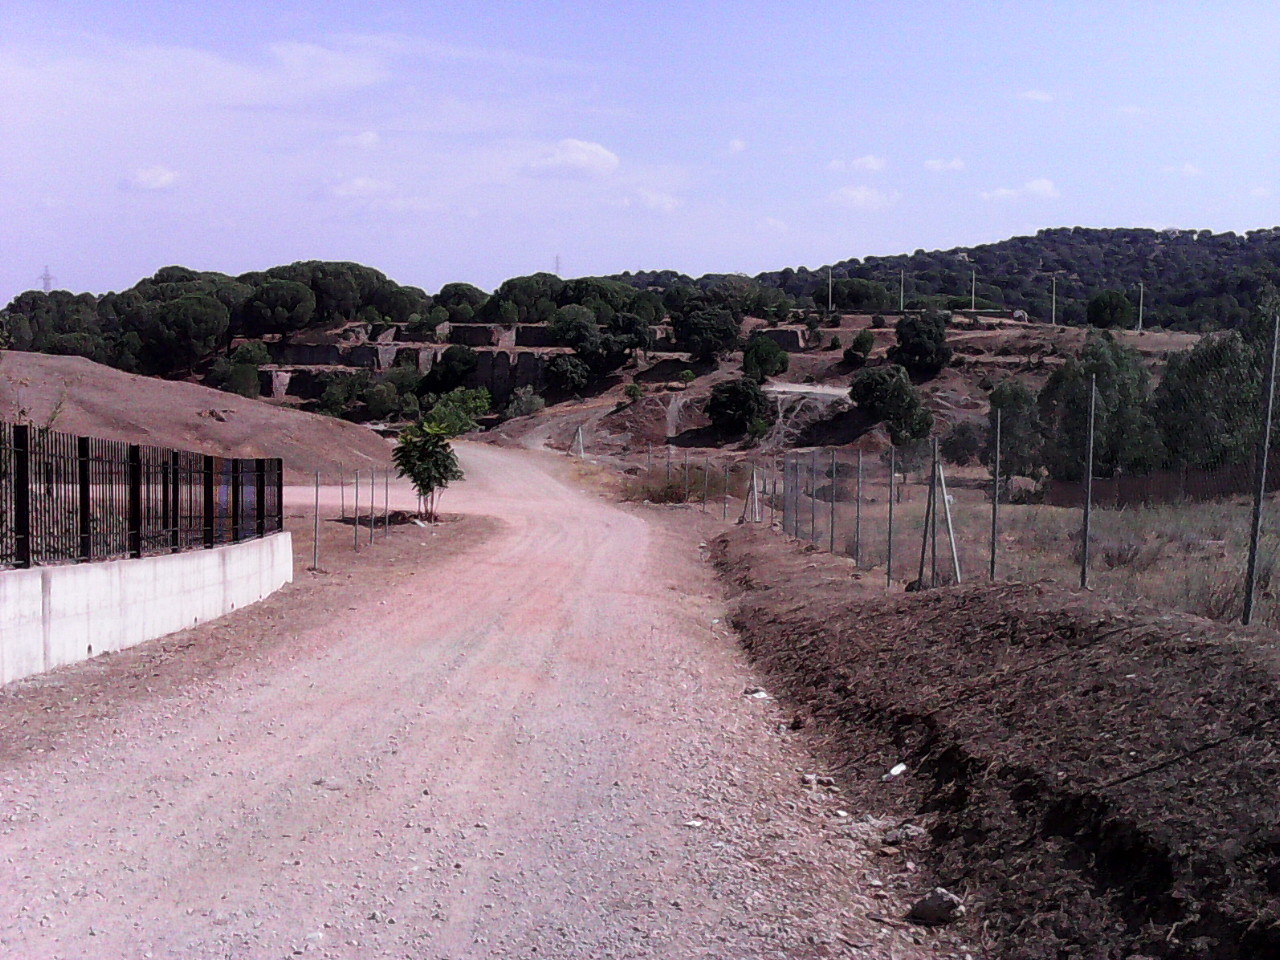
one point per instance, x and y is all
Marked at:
(72, 499)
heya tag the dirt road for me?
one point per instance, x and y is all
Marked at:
(532, 744)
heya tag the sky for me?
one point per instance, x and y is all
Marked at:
(474, 142)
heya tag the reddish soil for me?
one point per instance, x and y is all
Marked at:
(520, 734)
(1096, 781)
(78, 396)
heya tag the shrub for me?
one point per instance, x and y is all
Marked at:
(568, 373)
(764, 358)
(524, 402)
(687, 376)
(885, 394)
(736, 404)
(857, 352)
(456, 412)
(633, 391)
(962, 444)
(922, 344)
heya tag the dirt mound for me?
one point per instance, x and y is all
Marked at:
(78, 396)
(1098, 783)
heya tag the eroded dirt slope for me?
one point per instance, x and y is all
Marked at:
(1097, 782)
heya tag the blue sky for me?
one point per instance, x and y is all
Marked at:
(442, 142)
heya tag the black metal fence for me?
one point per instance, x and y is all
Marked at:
(65, 498)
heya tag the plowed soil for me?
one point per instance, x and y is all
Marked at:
(1096, 782)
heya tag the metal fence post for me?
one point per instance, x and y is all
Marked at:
(237, 498)
(1260, 492)
(995, 497)
(355, 512)
(135, 501)
(175, 530)
(85, 508)
(813, 497)
(279, 494)
(373, 502)
(857, 519)
(260, 482)
(724, 498)
(210, 505)
(315, 523)
(832, 531)
(1088, 485)
(22, 495)
(893, 489)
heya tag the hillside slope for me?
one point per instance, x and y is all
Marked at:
(75, 395)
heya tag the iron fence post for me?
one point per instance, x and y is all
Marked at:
(135, 501)
(85, 510)
(22, 495)
(259, 495)
(210, 504)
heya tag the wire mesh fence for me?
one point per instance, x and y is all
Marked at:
(65, 498)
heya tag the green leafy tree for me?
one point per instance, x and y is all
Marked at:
(1109, 310)
(735, 405)
(1126, 439)
(524, 403)
(424, 456)
(855, 355)
(1020, 432)
(922, 344)
(707, 333)
(962, 443)
(886, 395)
(568, 373)
(278, 306)
(1207, 403)
(764, 358)
(457, 411)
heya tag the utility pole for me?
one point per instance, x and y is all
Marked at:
(557, 264)
(973, 290)
(902, 290)
(47, 279)
(1260, 493)
(1142, 296)
(1053, 310)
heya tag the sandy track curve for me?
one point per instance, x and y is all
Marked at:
(540, 749)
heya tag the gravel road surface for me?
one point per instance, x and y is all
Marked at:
(534, 743)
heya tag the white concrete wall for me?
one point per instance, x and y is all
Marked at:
(51, 616)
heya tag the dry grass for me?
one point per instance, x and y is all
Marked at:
(1186, 557)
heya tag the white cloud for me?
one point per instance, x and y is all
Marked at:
(955, 163)
(863, 198)
(575, 157)
(1037, 96)
(870, 163)
(1040, 189)
(368, 140)
(1260, 193)
(360, 187)
(737, 146)
(154, 178)
(657, 200)
(1184, 169)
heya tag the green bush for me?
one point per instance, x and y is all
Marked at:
(922, 344)
(524, 402)
(764, 358)
(736, 405)
(885, 394)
